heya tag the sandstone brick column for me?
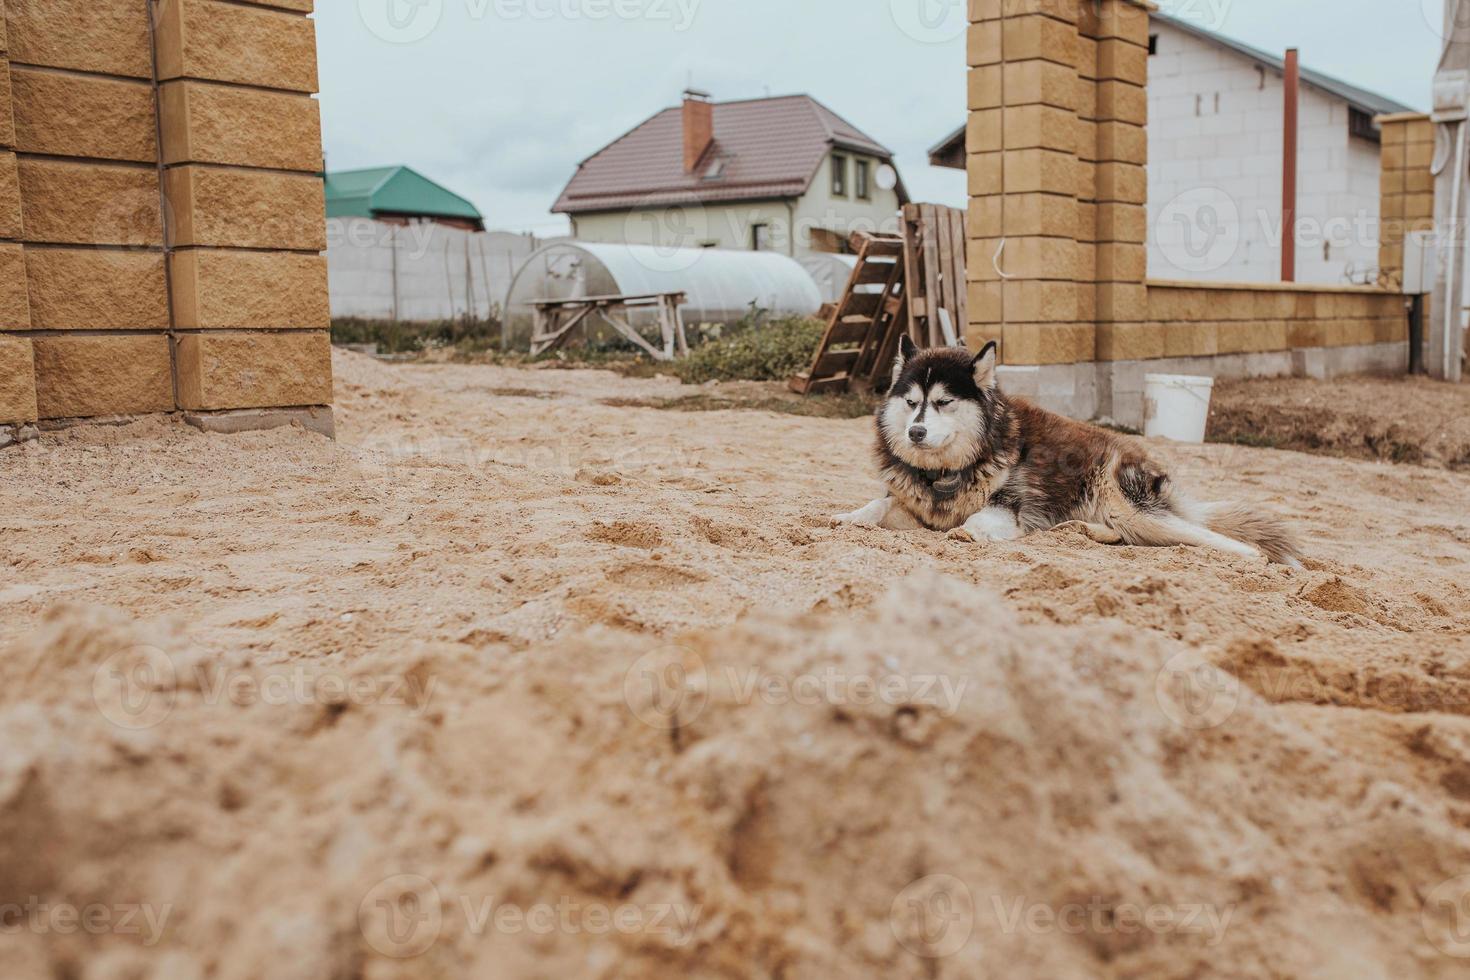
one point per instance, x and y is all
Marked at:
(1056, 157)
(1406, 189)
(80, 73)
(1114, 39)
(1023, 168)
(242, 162)
(17, 375)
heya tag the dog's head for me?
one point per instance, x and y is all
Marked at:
(938, 406)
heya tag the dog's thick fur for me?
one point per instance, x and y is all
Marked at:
(959, 456)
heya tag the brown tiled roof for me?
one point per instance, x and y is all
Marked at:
(772, 148)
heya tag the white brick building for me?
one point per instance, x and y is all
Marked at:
(1215, 128)
(1215, 156)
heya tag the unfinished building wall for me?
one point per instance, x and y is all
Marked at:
(1057, 158)
(171, 215)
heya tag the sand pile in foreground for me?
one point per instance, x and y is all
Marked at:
(516, 685)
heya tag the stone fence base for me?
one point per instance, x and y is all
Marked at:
(1113, 390)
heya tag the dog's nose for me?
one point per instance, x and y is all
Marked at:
(917, 433)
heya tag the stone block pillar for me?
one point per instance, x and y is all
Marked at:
(1406, 202)
(242, 158)
(161, 210)
(1023, 167)
(1114, 37)
(17, 374)
(1056, 159)
(16, 370)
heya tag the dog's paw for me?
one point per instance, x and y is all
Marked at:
(1096, 532)
(964, 534)
(838, 520)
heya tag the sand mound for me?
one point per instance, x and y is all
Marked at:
(822, 796)
(493, 690)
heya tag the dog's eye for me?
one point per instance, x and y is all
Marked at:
(944, 403)
(911, 403)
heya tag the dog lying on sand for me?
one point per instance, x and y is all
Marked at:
(959, 456)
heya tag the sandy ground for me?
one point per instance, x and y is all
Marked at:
(511, 682)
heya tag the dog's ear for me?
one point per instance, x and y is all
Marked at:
(906, 349)
(984, 367)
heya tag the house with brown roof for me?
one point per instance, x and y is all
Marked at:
(783, 174)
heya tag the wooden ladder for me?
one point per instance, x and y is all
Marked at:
(863, 331)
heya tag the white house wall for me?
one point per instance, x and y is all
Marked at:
(442, 273)
(1215, 148)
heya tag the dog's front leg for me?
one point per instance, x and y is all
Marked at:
(990, 524)
(887, 513)
(875, 514)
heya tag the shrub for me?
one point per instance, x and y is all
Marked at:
(752, 350)
(402, 337)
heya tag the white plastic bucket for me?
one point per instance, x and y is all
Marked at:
(1176, 406)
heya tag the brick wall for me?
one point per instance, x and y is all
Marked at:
(1057, 150)
(1217, 137)
(1407, 186)
(161, 214)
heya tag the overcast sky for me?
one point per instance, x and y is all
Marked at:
(500, 99)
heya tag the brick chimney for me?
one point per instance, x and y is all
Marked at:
(699, 127)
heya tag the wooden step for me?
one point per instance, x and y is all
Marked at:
(828, 386)
(873, 273)
(861, 304)
(835, 362)
(849, 330)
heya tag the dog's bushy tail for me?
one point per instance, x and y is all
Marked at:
(1245, 523)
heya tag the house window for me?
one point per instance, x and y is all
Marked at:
(760, 238)
(839, 175)
(1153, 44)
(863, 180)
(1360, 124)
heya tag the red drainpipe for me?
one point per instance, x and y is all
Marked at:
(1288, 168)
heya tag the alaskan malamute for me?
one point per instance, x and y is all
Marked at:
(959, 456)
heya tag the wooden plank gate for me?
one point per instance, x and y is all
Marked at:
(934, 268)
(913, 282)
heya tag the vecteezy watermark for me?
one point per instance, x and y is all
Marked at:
(1199, 231)
(1203, 230)
(1101, 917)
(1195, 694)
(669, 687)
(138, 688)
(135, 688)
(1208, 14)
(94, 919)
(411, 21)
(934, 917)
(930, 21)
(1445, 917)
(413, 241)
(404, 916)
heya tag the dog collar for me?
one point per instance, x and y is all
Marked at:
(944, 483)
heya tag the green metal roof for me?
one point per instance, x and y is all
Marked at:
(393, 190)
